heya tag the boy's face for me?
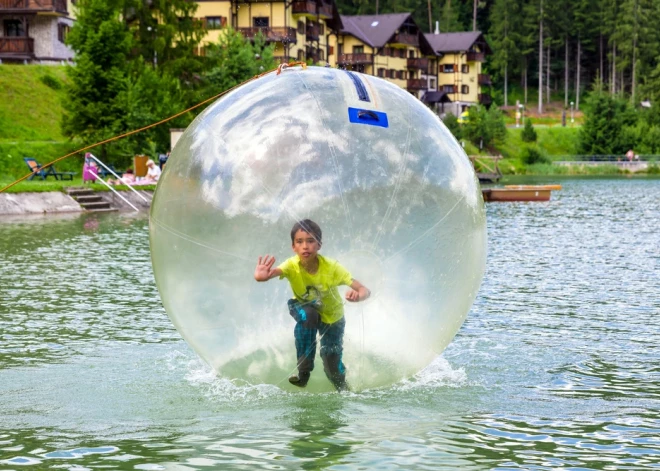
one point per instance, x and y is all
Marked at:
(305, 245)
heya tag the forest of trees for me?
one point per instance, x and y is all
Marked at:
(553, 45)
(134, 65)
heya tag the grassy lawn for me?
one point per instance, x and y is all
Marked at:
(39, 186)
(554, 142)
(31, 105)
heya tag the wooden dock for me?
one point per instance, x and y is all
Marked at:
(486, 167)
(519, 193)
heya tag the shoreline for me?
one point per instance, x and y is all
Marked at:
(58, 202)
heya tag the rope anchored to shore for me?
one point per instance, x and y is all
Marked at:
(277, 69)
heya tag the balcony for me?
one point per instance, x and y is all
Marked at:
(420, 63)
(485, 99)
(310, 8)
(32, 6)
(312, 32)
(484, 79)
(284, 34)
(417, 84)
(313, 54)
(16, 48)
(352, 59)
(325, 11)
(406, 39)
(475, 56)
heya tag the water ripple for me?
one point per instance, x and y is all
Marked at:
(555, 368)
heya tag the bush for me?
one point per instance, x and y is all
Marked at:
(451, 121)
(528, 133)
(52, 82)
(485, 127)
(532, 155)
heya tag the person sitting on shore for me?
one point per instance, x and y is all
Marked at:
(127, 178)
(153, 173)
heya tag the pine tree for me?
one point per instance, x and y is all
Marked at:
(102, 44)
(235, 59)
(637, 36)
(606, 118)
(111, 90)
(528, 133)
(449, 17)
(528, 35)
(166, 34)
(504, 38)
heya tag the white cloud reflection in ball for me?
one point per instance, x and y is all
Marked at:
(399, 206)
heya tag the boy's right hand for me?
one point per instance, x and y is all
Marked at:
(264, 270)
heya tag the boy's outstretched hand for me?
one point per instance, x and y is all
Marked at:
(264, 270)
(357, 293)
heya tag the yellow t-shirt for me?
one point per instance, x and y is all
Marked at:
(326, 279)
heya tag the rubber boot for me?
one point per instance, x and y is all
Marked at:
(300, 379)
(334, 370)
(305, 367)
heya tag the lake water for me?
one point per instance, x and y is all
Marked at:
(556, 367)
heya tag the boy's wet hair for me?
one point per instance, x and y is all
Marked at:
(309, 226)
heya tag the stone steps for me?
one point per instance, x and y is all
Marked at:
(89, 200)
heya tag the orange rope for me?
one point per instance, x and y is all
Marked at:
(129, 133)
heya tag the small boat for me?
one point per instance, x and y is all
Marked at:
(533, 187)
(516, 194)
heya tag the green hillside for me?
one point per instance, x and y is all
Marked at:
(30, 116)
(31, 108)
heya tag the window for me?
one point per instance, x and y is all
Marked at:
(432, 84)
(448, 88)
(62, 31)
(465, 89)
(402, 53)
(260, 21)
(386, 51)
(340, 49)
(411, 54)
(399, 74)
(392, 73)
(301, 27)
(358, 49)
(321, 58)
(14, 28)
(321, 30)
(465, 69)
(381, 72)
(216, 22)
(301, 55)
(448, 68)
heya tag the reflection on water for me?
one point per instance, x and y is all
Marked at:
(556, 366)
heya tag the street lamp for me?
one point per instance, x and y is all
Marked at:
(519, 108)
(572, 107)
(522, 113)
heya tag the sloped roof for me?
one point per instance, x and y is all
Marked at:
(456, 42)
(435, 97)
(374, 30)
(377, 30)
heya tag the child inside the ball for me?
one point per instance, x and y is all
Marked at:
(317, 306)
